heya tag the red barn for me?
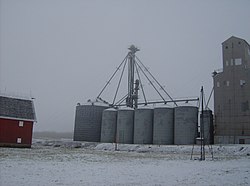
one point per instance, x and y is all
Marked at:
(17, 117)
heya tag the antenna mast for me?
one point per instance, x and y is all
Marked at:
(202, 136)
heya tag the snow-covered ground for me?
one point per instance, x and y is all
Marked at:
(65, 162)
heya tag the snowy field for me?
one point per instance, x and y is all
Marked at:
(65, 162)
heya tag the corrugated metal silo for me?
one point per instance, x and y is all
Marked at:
(186, 125)
(88, 121)
(125, 125)
(108, 131)
(143, 126)
(208, 126)
(163, 128)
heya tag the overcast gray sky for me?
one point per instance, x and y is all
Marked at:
(63, 51)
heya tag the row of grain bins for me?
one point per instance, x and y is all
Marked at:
(161, 125)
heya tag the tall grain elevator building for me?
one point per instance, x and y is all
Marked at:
(232, 93)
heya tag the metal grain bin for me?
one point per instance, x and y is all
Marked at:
(208, 126)
(163, 127)
(186, 125)
(143, 126)
(108, 130)
(88, 121)
(125, 125)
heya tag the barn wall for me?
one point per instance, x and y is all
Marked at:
(10, 131)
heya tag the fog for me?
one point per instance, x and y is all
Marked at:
(62, 52)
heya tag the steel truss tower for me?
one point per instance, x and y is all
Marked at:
(133, 86)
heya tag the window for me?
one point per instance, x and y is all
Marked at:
(227, 63)
(19, 140)
(20, 123)
(218, 84)
(226, 47)
(248, 52)
(232, 62)
(238, 61)
(227, 83)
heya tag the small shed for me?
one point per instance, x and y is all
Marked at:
(17, 117)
